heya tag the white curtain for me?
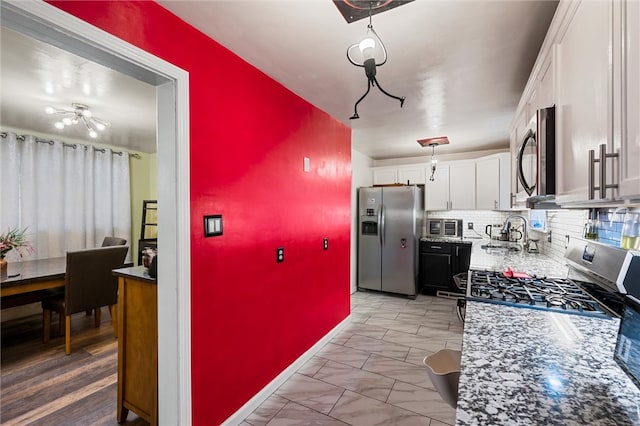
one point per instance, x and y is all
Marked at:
(68, 196)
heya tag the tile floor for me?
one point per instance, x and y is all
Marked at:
(372, 372)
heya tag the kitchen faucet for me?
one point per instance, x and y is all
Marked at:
(505, 228)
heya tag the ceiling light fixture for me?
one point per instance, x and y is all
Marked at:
(79, 114)
(369, 53)
(433, 142)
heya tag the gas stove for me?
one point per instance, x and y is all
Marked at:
(554, 294)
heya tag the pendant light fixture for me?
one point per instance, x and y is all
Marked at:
(79, 114)
(369, 53)
(433, 142)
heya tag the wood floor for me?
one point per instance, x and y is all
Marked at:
(40, 385)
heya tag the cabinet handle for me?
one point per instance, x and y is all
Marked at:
(436, 247)
(457, 248)
(495, 204)
(603, 186)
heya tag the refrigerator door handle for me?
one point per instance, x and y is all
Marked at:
(382, 226)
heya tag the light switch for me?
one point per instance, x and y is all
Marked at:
(213, 225)
(307, 164)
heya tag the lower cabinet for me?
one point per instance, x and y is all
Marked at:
(439, 262)
(435, 266)
(137, 345)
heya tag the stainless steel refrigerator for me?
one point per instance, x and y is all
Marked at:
(390, 224)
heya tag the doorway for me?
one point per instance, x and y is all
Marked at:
(51, 25)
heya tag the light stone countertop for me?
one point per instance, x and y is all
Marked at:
(525, 366)
(520, 261)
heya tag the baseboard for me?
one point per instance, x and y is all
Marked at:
(248, 408)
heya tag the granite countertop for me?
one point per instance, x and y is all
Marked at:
(494, 259)
(525, 366)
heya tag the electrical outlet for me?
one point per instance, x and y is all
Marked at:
(326, 244)
(280, 255)
(469, 225)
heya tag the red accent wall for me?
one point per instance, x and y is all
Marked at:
(251, 317)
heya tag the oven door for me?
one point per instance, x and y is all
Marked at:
(527, 163)
(450, 228)
(627, 352)
(434, 228)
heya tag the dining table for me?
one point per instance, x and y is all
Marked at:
(33, 275)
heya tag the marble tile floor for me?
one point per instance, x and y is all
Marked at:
(371, 373)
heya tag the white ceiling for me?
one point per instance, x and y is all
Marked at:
(35, 75)
(462, 66)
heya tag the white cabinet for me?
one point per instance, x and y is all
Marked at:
(630, 102)
(413, 175)
(436, 192)
(385, 176)
(493, 183)
(584, 93)
(462, 186)
(453, 187)
(546, 92)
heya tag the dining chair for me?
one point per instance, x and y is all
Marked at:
(89, 284)
(113, 241)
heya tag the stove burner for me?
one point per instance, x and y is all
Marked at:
(537, 291)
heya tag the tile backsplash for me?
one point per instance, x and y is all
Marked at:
(479, 218)
(561, 225)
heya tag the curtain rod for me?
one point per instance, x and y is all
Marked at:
(21, 138)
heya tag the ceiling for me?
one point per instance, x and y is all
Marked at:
(462, 66)
(35, 75)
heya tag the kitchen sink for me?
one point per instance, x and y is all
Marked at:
(500, 247)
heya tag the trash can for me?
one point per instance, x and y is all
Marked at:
(443, 368)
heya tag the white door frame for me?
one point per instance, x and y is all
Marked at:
(52, 25)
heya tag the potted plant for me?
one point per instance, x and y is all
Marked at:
(13, 239)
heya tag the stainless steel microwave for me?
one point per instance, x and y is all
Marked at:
(536, 163)
(444, 227)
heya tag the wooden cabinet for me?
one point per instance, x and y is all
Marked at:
(137, 345)
(629, 146)
(493, 182)
(412, 175)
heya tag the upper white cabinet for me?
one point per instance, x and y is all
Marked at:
(588, 67)
(492, 183)
(453, 187)
(630, 101)
(385, 176)
(585, 110)
(412, 175)
(436, 192)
